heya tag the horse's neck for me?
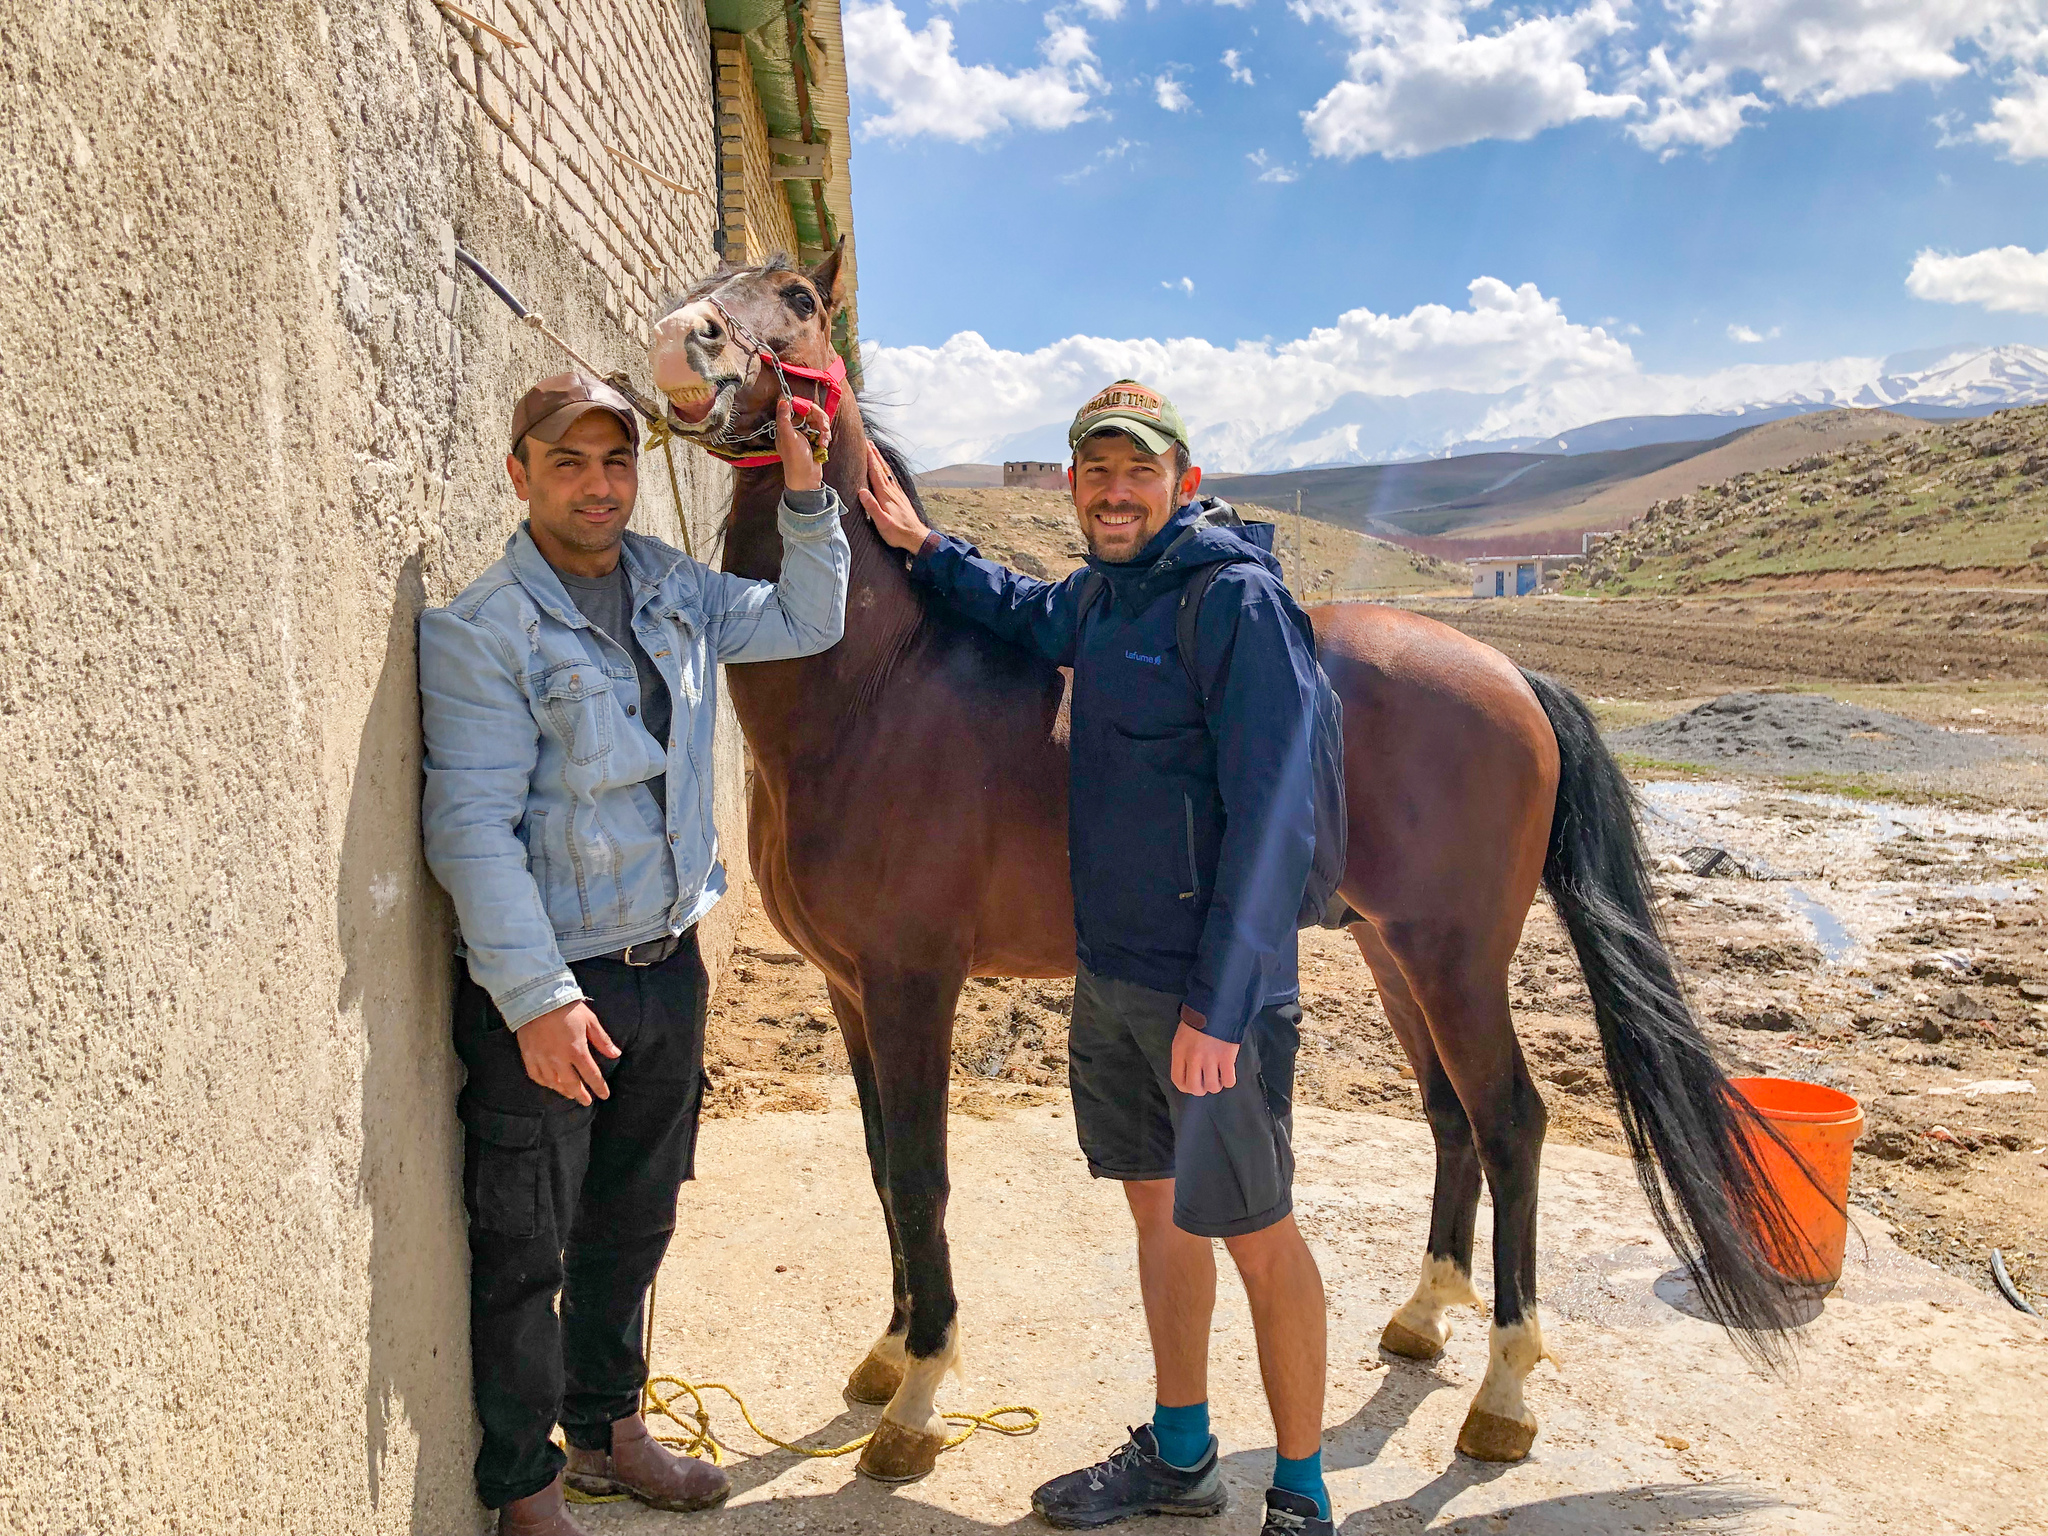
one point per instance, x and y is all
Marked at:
(795, 708)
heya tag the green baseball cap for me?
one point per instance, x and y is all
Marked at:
(1134, 409)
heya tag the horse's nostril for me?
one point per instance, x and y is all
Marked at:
(711, 330)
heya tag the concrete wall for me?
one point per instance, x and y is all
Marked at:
(256, 421)
(1034, 475)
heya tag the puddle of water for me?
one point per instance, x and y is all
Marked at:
(1829, 932)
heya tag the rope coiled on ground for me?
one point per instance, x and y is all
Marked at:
(662, 1396)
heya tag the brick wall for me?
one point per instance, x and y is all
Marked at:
(595, 81)
(754, 214)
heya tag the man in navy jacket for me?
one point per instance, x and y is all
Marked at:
(1191, 827)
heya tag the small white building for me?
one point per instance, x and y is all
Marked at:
(1514, 575)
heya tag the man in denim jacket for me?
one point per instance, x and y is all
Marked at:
(568, 698)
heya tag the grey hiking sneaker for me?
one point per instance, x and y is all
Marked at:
(1134, 1481)
(1292, 1514)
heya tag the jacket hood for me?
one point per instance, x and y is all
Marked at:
(1214, 534)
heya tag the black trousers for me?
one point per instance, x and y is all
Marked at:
(577, 1200)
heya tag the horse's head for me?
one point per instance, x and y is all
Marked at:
(728, 349)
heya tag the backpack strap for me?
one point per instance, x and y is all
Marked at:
(1191, 595)
(1093, 585)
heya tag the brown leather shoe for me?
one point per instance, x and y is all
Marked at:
(642, 1466)
(539, 1514)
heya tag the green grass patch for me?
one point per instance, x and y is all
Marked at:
(1634, 763)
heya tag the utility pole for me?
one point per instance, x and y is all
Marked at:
(1300, 552)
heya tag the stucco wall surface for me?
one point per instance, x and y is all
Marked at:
(255, 422)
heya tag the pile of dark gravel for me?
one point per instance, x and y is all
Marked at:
(1804, 733)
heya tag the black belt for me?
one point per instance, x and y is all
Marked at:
(650, 951)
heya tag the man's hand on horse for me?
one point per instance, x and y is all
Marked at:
(803, 466)
(888, 506)
(1201, 1063)
(556, 1048)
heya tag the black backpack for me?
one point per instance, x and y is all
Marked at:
(1321, 906)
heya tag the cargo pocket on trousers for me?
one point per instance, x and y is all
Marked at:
(502, 1171)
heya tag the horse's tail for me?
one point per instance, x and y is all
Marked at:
(1714, 1202)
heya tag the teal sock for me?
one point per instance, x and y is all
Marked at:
(1304, 1477)
(1183, 1433)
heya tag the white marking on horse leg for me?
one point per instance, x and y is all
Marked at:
(907, 1442)
(1499, 1425)
(913, 1406)
(1444, 1285)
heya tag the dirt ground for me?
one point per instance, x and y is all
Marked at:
(1914, 1406)
(1885, 933)
(1702, 646)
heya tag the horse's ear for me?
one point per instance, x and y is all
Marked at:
(829, 275)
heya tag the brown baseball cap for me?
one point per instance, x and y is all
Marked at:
(556, 403)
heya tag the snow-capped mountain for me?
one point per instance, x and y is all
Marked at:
(1647, 408)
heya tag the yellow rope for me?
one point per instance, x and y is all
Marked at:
(660, 1397)
(675, 489)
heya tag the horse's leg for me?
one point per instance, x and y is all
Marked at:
(909, 1018)
(1419, 1329)
(880, 1373)
(1460, 978)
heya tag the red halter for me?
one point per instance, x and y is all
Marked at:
(833, 378)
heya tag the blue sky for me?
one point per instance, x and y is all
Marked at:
(1655, 183)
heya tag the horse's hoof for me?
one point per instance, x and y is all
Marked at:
(874, 1380)
(1398, 1339)
(1489, 1437)
(894, 1454)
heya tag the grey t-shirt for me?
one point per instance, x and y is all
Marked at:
(607, 601)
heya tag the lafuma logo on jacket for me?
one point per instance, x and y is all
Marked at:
(1150, 661)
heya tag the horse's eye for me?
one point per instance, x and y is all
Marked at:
(800, 300)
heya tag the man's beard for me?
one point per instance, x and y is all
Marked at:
(1135, 532)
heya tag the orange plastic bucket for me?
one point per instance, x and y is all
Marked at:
(1822, 1126)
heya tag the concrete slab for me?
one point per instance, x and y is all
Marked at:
(1917, 1404)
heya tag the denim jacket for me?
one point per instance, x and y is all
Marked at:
(538, 818)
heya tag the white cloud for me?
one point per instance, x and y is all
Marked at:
(1820, 52)
(1749, 337)
(1425, 75)
(1171, 94)
(1185, 285)
(929, 91)
(1420, 80)
(1108, 10)
(1234, 62)
(1272, 170)
(1695, 108)
(959, 399)
(1109, 154)
(2019, 121)
(2006, 277)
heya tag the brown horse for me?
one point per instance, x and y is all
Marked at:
(908, 830)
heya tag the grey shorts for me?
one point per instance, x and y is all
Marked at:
(1230, 1154)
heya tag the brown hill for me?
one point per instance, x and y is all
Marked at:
(1035, 532)
(1615, 503)
(973, 476)
(1929, 504)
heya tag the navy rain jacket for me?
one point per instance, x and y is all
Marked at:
(1190, 828)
